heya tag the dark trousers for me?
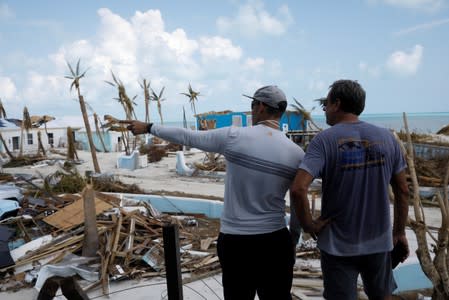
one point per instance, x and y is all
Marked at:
(261, 263)
(340, 275)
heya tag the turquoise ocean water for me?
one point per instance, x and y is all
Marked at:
(417, 122)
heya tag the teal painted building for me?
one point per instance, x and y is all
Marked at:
(81, 137)
(290, 120)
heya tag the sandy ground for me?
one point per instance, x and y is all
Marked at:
(162, 176)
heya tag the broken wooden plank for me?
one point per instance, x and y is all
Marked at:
(90, 243)
(205, 243)
(73, 214)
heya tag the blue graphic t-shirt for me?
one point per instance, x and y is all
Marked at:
(356, 162)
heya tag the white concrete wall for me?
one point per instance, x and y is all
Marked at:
(10, 135)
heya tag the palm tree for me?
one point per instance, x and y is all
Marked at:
(26, 124)
(158, 99)
(306, 115)
(123, 99)
(193, 96)
(3, 115)
(146, 92)
(127, 104)
(75, 76)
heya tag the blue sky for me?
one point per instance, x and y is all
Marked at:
(397, 49)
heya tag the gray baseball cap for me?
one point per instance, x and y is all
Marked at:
(271, 95)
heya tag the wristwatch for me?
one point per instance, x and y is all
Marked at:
(149, 127)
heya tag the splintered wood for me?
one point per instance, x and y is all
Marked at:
(73, 214)
(130, 240)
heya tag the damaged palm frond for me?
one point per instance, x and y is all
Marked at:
(128, 107)
(126, 102)
(114, 124)
(158, 98)
(37, 121)
(212, 162)
(306, 115)
(193, 96)
(321, 101)
(24, 160)
(66, 180)
(75, 75)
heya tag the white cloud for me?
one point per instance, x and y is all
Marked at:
(253, 20)
(5, 11)
(219, 48)
(371, 70)
(42, 89)
(8, 88)
(317, 85)
(275, 68)
(254, 63)
(423, 5)
(136, 48)
(422, 27)
(133, 50)
(404, 63)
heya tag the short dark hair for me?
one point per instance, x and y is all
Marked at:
(282, 106)
(351, 95)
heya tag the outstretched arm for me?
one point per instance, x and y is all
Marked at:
(209, 140)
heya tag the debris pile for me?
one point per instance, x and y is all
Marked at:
(50, 233)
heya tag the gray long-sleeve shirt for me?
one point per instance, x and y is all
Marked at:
(261, 163)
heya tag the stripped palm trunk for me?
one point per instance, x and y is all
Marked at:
(436, 270)
(71, 150)
(146, 92)
(159, 110)
(89, 134)
(158, 99)
(99, 133)
(40, 146)
(26, 124)
(6, 147)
